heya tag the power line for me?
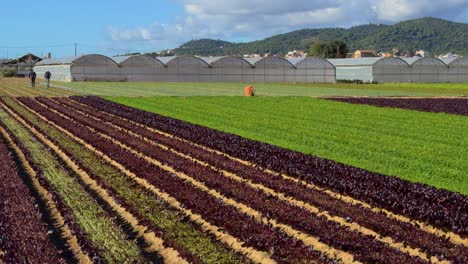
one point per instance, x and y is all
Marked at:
(37, 47)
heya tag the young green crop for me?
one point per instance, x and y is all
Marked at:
(420, 147)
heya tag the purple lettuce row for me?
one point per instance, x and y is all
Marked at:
(120, 200)
(23, 235)
(254, 234)
(438, 207)
(457, 106)
(402, 231)
(299, 218)
(86, 246)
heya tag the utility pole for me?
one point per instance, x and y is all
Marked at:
(75, 49)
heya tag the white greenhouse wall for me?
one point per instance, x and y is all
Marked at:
(363, 73)
(60, 73)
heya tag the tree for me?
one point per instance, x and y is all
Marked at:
(330, 50)
(317, 49)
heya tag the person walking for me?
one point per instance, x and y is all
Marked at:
(47, 76)
(32, 76)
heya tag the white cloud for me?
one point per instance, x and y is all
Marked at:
(254, 19)
(397, 10)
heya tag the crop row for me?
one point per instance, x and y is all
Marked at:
(267, 202)
(405, 232)
(22, 231)
(436, 246)
(187, 193)
(437, 207)
(98, 234)
(186, 238)
(216, 211)
(457, 106)
(244, 198)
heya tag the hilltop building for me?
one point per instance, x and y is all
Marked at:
(364, 54)
(422, 53)
(296, 54)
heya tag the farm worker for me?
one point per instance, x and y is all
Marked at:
(47, 76)
(32, 76)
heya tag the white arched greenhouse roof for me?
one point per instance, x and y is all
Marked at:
(144, 60)
(309, 63)
(166, 60)
(182, 60)
(458, 61)
(213, 61)
(367, 62)
(424, 61)
(91, 59)
(274, 60)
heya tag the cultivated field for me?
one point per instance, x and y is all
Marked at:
(417, 146)
(127, 184)
(297, 180)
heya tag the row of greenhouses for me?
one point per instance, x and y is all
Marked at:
(144, 68)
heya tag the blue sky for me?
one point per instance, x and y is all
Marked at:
(115, 26)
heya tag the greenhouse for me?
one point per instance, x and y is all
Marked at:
(313, 70)
(272, 69)
(82, 68)
(185, 69)
(457, 69)
(229, 69)
(144, 68)
(381, 70)
(426, 70)
(140, 68)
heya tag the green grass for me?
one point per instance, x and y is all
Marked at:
(157, 212)
(275, 89)
(101, 230)
(420, 147)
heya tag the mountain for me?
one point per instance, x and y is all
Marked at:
(431, 34)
